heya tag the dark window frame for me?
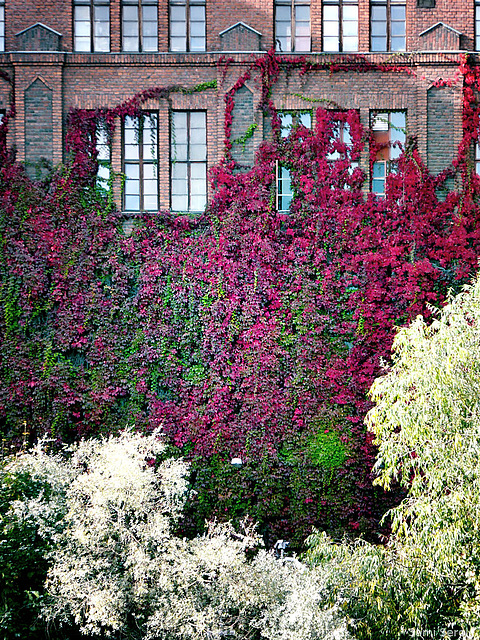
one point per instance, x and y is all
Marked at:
(389, 163)
(388, 4)
(187, 4)
(91, 4)
(340, 4)
(140, 35)
(292, 4)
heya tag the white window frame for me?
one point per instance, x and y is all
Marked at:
(188, 161)
(140, 162)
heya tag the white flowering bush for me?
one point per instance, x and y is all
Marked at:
(105, 511)
(108, 509)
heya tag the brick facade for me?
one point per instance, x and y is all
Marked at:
(50, 78)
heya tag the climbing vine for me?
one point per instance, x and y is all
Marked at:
(242, 332)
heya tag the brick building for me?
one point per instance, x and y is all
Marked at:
(68, 54)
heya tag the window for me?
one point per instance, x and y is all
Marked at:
(477, 25)
(284, 189)
(291, 119)
(91, 25)
(477, 157)
(103, 156)
(139, 25)
(188, 157)
(292, 25)
(387, 25)
(389, 133)
(340, 25)
(187, 25)
(341, 142)
(2, 25)
(140, 159)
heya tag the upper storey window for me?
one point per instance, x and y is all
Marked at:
(292, 25)
(2, 25)
(340, 25)
(91, 25)
(187, 25)
(139, 25)
(388, 25)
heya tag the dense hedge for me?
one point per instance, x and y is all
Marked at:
(243, 332)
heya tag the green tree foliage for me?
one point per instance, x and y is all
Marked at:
(426, 581)
(427, 424)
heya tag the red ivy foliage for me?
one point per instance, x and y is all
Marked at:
(245, 333)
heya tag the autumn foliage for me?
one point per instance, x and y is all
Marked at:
(243, 332)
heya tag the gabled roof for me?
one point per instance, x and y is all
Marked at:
(440, 24)
(240, 24)
(39, 24)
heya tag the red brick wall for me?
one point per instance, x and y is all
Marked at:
(93, 80)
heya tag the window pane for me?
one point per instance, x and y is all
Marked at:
(331, 44)
(284, 29)
(178, 29)
(178, 44)
(331, 29)
(379, 13)
(379, 28)
(150, 44)
(130, 44)
(101, 13)
(302, 13)
(283, 44)
(330, 13)
(198, 172)
(150, 203)
(130, 13)
(398, 43)
(198, 203)
(179, 203)
(149, 12)
(82, 44)
(350, 12)
(283, 13)
(130, 29)
(302, 43)
(82, 13)
(379, 44)
(197, 120)
(398, 13)
(197, 14)
(131, 152)
(197, 44)
(197, 29)
(179, 171)
(350, 29)
(305, 119)
(82, 29)
(178, 13)
(198, 152)
(149, 29)
(350, 43)
(132, 203)
(102, 44)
